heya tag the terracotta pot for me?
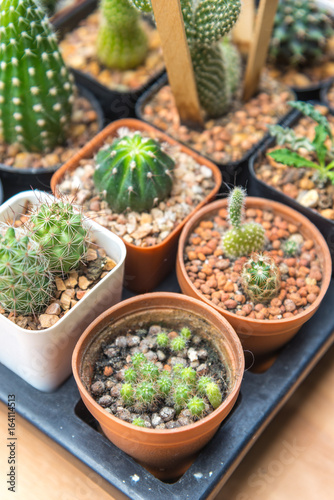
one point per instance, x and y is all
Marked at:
(145, 268)
(166, 453)
(262, 337)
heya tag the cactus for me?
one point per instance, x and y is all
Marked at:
(213, 394)
(60, 234)
(300, 33)
(149, 371)
(130, 375)
(182, 394)
(134, 173)
(178, 344)
(261, 278)
(290, 248)
(25, 280)
(188, 375)
(185, 333)
(217, 66)
(196, 406)
(139, 422)
(242, 238)
(162, 340)
(121, 41)
(127, 393)
(138, 359)
(35, 87)
(202, 383)
(145, 392)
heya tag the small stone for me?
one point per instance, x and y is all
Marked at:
(109, 265)
(65, 300)
(308, 199)
(184, 421)
(60, 284)
(289, 305)
(202, 354)
(192, 354)
(161, 356)
(80, 294)
(133, 340)
(154, 330)
(167, 413)
(91, 255)
(202, 370)
(48, 320)
(84, 283)
(121, 341)
(328, 213)
(53, 308)
(156, 419)
(98, 387)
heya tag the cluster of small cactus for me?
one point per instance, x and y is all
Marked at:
(133, 172)
(261, 278)
(300, 33)
(216, 66)
(36, 92)
(242, 238)
(121, 42)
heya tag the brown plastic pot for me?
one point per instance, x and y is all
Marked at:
(146, 267)
(167, 453)
(262, 338)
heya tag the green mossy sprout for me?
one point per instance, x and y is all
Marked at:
(121, 41)
(127, 393)
(243, 238)
(196, 406)
(162, 340)
(138, 359)
(36, 91)
(185, 333)
(189, 376)
(139, 422)
(178, 344)
(261, 278)
(130, 375)
(134, 173)
(149, 371)
(164, 384)
(146, 392)
(213, 394)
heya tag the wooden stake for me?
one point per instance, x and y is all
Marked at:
(169, 20)
(259, 49)
(242, 33)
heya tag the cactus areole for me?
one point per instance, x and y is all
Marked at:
(133, 173)
(35, 87)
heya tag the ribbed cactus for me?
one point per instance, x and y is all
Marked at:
(242, 238)
(35, 87)
(216, 65)
(25, 280)
(261, 278)
(58, 230)
(121, 42)
(300, 33)
(134, 173)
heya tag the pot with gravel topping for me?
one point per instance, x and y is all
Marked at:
(266, 270)
(138, 368)
(143, 186)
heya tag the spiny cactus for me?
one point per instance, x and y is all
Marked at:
(261, 278)
(178, 344)
(196, 406)
(58, 230)
(213, 394)
(162, 340)
(242, 238)
(300, 33)
(25, 280)
(121, 41)
(35, 87)
(134, 173)
(216, 65)
(290, 248)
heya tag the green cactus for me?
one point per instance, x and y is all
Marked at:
(261, 278)
(25, 280)
(146, 392)
(189, 376)
(121, 41)
(139, 422)
(60, 234)
(134, 173)
(196, 406)
(178, 344)
(36, 92)
(130, 375)
(290, 248)
(185, 333)
(300, 33)
(182, 394)
(164, 384)
(138, 359)
(217, 66)
(162, 339)
(202, 383)
(149, 371)
(213, 394)
(242, 238)
(127, 393)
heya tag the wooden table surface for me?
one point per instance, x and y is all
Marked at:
(292, 460)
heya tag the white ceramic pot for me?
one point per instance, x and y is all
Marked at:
(43, 357)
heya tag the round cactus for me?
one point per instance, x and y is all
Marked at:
(213, 394)
(162, 339)
(189, 375)
(202, 383)
(130, 375)
(185, 333)
(178, 344)
(138, 359)
(25, 280)
(35, 87)
(182, 394)
(149, 371)
(290, 248)
(196, 406)
(139, 422)
(145, 392)
(134, 173)
(164, 384)
(261, 278)
(61, 236)
(127, 393)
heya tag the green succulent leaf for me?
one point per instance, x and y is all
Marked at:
(287, 137)
(319, 143)
(308, 110)
(291, 158)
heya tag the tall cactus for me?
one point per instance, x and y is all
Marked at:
(35, 87)
(216, 65)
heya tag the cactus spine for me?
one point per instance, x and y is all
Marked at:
(134, 173)
(35, 88)
(121, 41)
(261, 278)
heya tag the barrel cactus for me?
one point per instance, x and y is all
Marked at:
(261, 278)
(134, 173)
(300, 33)
(35, 87)
(121, 42)
(25, 280)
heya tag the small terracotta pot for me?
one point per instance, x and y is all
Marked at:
(166, 453)
(262, 337)
(146, 267)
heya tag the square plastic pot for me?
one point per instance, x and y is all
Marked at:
(43, 357)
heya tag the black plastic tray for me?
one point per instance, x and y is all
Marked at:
(63, 417)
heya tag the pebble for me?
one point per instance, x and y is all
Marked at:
(97, 388)
(308, 199)
(53, 308)
(48, 320)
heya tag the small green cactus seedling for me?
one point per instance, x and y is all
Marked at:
(134, 173)
(164, 384)
(261, 278)
(189, 376)
(138, 359)
(25, 280)
(139, 422)
(130, 375)
(290, 248)
(202, 383)
(182, 394)
(146, 392)
(213, 394)
(242, 238)
(35, 87)
(178, 344)
(196, 405)
(162, 340)
(121, 41)
(185, 333)
(149, 371)
(127, 393)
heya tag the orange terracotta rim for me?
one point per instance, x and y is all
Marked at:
(111, 130)
(253, 202)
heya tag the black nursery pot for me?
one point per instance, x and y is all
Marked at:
(16, 180)
(115, 104)
(324, 95)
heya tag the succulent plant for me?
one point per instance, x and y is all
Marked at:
(213, 394)
(290, 248)
(162, 339)
(35, 87)
(178, 344)
(25, 280)
(242, 238)
(121, 41)
(196, 406)
(139, 422)
(133, 172)
(261, 278)
(59, 231)
(300, 33)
